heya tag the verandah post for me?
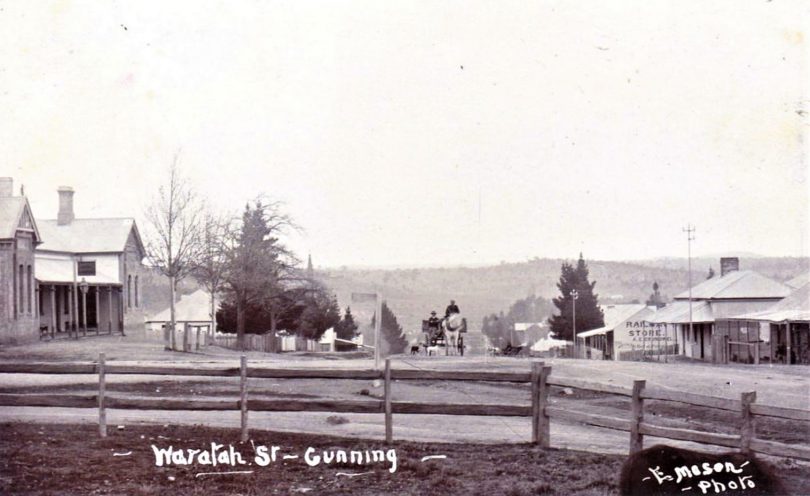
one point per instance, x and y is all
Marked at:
(243, 397)
(747, 428)
(637, 405)
(102, 412)
(389, 420)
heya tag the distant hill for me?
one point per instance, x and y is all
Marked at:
(479, 291)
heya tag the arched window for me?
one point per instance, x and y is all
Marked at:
(136, 292)
(129, 291)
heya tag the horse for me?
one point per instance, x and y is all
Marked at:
(663, 469)
(453, 325)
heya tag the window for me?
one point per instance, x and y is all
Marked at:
(30, 283)
(136, 292)
(129, 291)
(22, 288)
(86, 268)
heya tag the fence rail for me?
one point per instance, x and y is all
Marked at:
(538, 410)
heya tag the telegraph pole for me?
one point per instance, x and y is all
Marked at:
(690, 236)
(574, 296)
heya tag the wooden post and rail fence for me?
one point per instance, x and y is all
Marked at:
(539, 410)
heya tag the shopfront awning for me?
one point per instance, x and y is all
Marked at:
(594, 332)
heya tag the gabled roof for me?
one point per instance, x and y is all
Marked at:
(615, 315)
(799, 280)
(89, 235)
(677, 312)
(13, 209)
(195, 307)
(795, 307)
(737, 284)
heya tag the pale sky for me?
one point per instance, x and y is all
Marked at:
(426, 133)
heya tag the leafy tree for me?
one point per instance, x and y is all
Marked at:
(588, 314)
(498, 329)
(172, 235)
(320, 312)
(655, 298)
(347, 329)
(391, 333)
(530, 309)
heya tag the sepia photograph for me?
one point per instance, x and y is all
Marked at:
(405, 247)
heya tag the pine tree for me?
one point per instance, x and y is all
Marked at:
(346, 329)
(588, 314)
(391, 334)
(710, 274)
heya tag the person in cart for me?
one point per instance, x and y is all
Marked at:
(434, 327)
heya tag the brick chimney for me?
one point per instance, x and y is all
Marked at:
(6, 187)
(729, 264)
(65, 216)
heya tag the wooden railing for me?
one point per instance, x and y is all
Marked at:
(539, 410)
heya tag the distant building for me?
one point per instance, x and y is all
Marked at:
(735, 292)
(66, 274)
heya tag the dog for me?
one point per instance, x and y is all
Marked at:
(432, 349)
(668, 470)
(415, 350)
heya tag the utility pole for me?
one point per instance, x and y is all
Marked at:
(574, 296)
(690, 236)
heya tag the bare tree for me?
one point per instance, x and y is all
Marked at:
(173, 235)
(210, 264)
(258, 265)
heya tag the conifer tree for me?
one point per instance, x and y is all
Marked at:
(391, 334)
(588, 314)
(346, 329)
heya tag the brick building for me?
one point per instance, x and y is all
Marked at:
(19, 238)
(82, 275)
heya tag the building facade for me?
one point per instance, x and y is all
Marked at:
(66, 276)
(19, 238)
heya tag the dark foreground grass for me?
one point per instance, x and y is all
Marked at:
(62, 459)
(38, 459)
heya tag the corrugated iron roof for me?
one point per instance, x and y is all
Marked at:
(737, 284)
(87, 235)
(677, 312)
(795, 307)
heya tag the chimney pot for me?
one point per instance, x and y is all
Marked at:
(65, 215)
(6, 187)
(729, 264)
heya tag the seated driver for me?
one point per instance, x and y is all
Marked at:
(451, 309)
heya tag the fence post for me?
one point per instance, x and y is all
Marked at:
(389, 421)
(243, 397)
(636, 438)
(537, 368)
(747, 427)
(544, 425)
(102, 412)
